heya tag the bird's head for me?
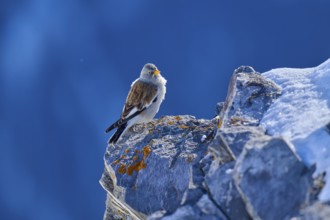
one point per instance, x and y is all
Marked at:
(149, 71)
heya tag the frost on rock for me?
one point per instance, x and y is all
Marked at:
(301, 114)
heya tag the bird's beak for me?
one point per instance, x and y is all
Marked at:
(157, 72)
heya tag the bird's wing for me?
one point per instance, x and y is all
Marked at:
(140, 97)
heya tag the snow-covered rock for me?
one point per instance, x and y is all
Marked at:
(301, 115)
(255, 160)
(317, 211)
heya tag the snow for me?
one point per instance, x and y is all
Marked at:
(301, 114)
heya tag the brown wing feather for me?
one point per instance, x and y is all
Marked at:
(140, 95)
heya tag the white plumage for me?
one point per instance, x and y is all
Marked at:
(143, 101)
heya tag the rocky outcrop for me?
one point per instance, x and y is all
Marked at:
(180, 167)
(157, 166)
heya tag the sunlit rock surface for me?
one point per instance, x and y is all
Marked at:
(235, 166)
(157, 166)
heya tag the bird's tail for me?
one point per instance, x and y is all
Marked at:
(114, 125)
(122, 121)
(114, 138)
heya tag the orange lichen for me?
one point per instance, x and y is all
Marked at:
(220, 123)
(137, 166)
(183, 126)
(122, 156)
(135, 158)
(127, 150)
(122, 169)
(170, 122)
(140, 164)
(146, 151)
(178, 118)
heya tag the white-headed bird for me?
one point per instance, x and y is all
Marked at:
(142, 102)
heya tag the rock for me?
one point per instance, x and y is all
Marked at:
(249, 96)
(305, 147)
(219, 107)
(268, 174)
(116, 208)
(244, 69)
(221, 150)
(237, 136)
(204, 209)
(301, 115)
(222, 189)
(328, 127)
(231, 167)
(155, 166)
(317, 211)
